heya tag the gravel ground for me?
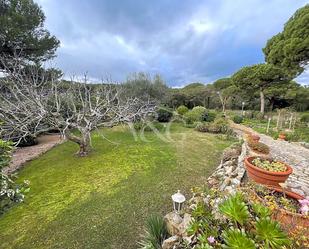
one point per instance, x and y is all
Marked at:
(295, 155)
(25, 154)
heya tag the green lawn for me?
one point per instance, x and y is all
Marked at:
(102, 201)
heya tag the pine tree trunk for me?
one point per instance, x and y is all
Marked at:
(272, 103)
(262, 97)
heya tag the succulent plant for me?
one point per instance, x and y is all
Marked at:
(270, 234)
(268, 165)
(258, 146)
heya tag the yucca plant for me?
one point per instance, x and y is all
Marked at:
(235, 209)
(155, 233)
(237, 239)
(269, 233)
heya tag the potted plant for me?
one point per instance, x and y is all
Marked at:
(257, 148)
(290, 209)
(282, 136)
(266, 171)
(255, 137)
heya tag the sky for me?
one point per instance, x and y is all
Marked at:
(184, 41)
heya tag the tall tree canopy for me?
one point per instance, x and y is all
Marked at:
(290, 48)
(22, 31)
(225, 89)
(144, 86)
(258, 78)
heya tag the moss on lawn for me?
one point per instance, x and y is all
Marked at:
(101, 201)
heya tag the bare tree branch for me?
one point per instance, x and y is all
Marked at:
(32, 103)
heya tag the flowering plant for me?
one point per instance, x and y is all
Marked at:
(304, 209)
(10, 192)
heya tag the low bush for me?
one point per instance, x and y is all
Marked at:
(195, 115)
(238, 119)
(203, 127)
(5, 153)
(248, 114)
(10, 192)
(258, 146)
(209, 116)
(304, 118)
(164, 115)
(220, 125)
(259, 116)
(181, 110)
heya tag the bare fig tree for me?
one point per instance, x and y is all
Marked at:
(32, 102)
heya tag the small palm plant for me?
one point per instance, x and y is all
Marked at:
(155, 233)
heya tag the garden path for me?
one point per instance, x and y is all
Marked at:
(24, 154)
(293, 154)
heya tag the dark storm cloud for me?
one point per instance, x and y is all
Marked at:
(185, 41)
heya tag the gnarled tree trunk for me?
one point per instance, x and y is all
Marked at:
(84, 142)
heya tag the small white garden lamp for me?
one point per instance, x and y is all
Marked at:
(178, 201)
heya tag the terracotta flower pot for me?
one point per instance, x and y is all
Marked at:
(282, 136)
(289, 221)
(253, 153)
(255, 138)
(266, 177)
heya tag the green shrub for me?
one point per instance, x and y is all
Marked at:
(249, 114)
(190, 117)
(155, 233)
(195, 115)
(220, 125)
(238, 119)
(259, 116)
(5, 153)
(255, 114)
(209, 116)
(304, 118)
(138, 125)
(164, 115)
(182, 110)
(203, 127)
(10, 192)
